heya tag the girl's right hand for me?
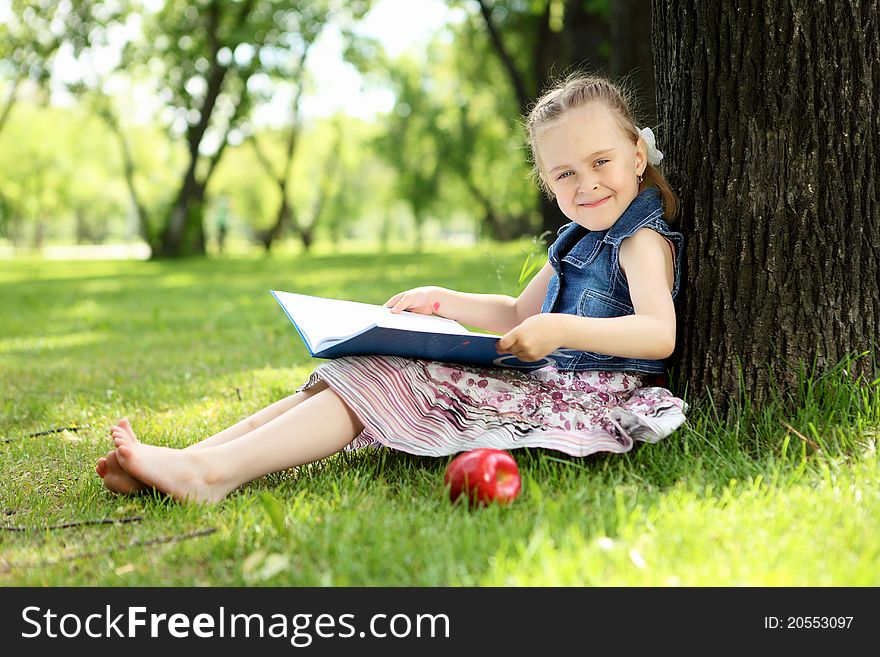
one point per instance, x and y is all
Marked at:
(422, 300)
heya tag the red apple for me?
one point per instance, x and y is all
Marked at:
(483, 475)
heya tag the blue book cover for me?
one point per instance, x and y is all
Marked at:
(331, 328)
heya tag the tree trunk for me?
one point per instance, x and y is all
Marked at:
(128, 169)
(771, 125)
(631, 56)
(185, 232)
(282, 219)
(307, 237)
(490, 225)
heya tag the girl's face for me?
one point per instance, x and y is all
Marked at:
(591, 165)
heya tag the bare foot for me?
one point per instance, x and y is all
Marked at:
(124, 428)
(183, 474)
(115, 478)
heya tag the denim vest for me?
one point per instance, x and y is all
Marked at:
(588, 282)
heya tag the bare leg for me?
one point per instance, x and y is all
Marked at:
(118, 480)
(318, 427)
(259, 418)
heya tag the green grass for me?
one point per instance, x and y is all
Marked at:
(187, 348)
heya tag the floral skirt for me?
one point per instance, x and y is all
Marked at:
(436, 409)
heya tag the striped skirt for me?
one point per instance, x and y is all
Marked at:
(436, 409)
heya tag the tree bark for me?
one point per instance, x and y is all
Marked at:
(771, 126)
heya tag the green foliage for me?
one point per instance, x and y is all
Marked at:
(275, 511)
(409, 142)
(186, 349)
(209, 60)
(482, 142)
(59, 193)
(334, 162)
(62, 176)
(253, 197)
(452, 141)
(36, 29)
(452, 152)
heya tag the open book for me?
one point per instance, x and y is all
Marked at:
(332, 328)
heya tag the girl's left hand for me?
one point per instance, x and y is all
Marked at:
(532, 339)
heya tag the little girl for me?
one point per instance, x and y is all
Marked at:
(605, 296)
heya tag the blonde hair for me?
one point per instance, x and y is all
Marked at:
(575, 92)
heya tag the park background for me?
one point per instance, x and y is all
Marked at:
(164, 164)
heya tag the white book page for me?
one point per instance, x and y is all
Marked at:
(327, 321)
(321, 319)
(416, 322)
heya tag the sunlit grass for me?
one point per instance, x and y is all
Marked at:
(785, 494)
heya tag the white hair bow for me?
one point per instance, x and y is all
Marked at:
(654, 156)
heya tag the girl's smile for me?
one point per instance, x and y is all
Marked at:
(596, 204)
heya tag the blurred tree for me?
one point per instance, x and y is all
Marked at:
(209, 56)
(332, 195)
(337, 189)
(356, 186)
(103, 107)
(52, 192)
(449, 141)
(477, 143)
(88, 192)
(313, 18)
(252, 195)
(410, 143)
(98, 87)
(335, 176)
(286, 215)
(203, 54)
(31, 38)
(538, 41)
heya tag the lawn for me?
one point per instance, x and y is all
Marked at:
(785, 494)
